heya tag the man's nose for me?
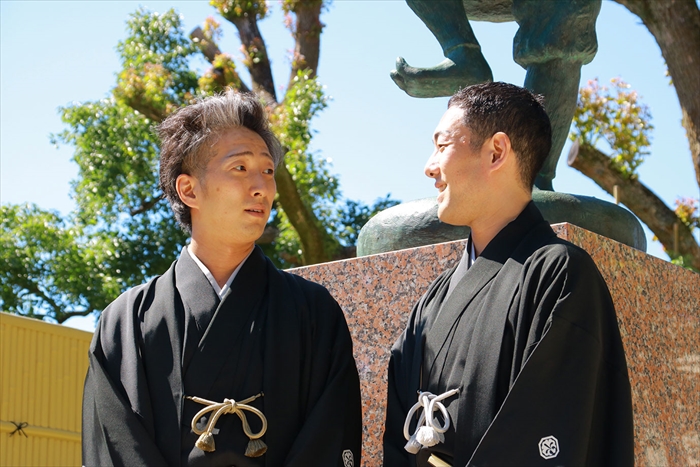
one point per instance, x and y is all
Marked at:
(259, 185)
(431, 167)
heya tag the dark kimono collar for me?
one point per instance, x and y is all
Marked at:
(217, 321)
(196, 291)
(502, 246)
(192, 280)
(511, 243)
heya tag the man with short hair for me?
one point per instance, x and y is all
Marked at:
(224, 359)
(514, 357)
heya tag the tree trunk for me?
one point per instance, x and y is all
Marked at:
(675, 24)
(307, 37)
(258, 62)
(302, 218)
(317, 245)
(639, 199)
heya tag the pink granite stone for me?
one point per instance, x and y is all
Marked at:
(658, 307)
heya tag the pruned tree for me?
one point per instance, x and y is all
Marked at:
(122, 231)
(675, 25)
(618, 118)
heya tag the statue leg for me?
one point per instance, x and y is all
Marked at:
(464, 64)
(554, 40)
(558, 81)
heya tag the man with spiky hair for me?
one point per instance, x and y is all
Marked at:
(224, 359)
(514, 357)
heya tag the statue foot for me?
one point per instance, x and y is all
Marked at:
(463, 67)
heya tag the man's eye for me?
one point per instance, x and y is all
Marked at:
(239, 167)
(269, 171)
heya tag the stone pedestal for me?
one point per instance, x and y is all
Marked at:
(658, 308)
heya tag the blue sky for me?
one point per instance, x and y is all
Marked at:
(53, 53)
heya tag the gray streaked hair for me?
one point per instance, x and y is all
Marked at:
(188, 134)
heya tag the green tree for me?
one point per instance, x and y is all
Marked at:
(675, 26)
(122, 231)
(616, 118)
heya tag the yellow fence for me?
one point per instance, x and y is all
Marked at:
(42, 372)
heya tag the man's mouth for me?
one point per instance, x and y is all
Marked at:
(255, 210)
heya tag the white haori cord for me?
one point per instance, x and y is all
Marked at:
(428, 432)
(256, 446)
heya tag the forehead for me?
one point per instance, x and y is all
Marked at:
(240, 138)
(451, 123)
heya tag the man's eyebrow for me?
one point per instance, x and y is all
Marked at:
(246, 153)
(438, 133)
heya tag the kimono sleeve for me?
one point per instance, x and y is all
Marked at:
(332, 430)
(113, 433)
(571, 402)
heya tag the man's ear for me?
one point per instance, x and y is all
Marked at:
(500, 150)
(187, 188)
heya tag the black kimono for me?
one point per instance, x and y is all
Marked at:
(528, 336)
(172, 337)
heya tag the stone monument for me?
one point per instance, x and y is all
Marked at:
(552, 43)
(657, 307)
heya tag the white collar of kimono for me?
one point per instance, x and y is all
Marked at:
(220, 291)
(472, 255)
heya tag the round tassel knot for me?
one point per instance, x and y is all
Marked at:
(206, 442)
(427, 436)
(256, 448)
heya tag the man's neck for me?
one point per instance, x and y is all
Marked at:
(221, 260)
(485, 229)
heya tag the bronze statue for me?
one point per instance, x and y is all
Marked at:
(555, 38)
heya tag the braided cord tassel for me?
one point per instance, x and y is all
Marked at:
(256, 447)
(428, 432)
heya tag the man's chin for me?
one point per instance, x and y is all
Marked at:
(444, 214)
(447, 217)
(266, 236)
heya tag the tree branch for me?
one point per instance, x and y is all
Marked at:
(210, 50)
(34, 289)
(143, 107)
(58, 314)
(146, 205)
(638, 198)
(307, 36)
(66, 315)
(676, 27)
(257, 60)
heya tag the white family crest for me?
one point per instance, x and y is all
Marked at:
(549, 447)
(348, 458)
